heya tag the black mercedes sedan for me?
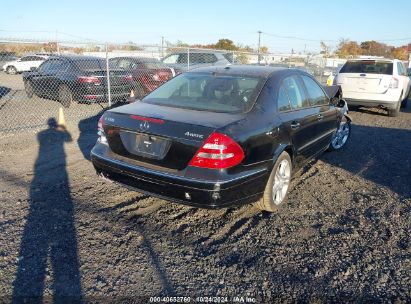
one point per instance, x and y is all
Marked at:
(221, 136)
(69, 78)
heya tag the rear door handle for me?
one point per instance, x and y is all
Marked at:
(320, 117)
(295, 125)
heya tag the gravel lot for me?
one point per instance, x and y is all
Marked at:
(344, 235)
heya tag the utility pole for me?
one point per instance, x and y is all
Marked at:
(258, 50)
(162, 46)
(57, 44)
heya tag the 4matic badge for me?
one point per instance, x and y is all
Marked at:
(195, 135)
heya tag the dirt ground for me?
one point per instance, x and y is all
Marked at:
(343, 236)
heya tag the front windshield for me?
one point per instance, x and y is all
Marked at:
(208, 92)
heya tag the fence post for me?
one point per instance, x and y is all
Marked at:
(108, 77)
(233, 57)
(188, 58)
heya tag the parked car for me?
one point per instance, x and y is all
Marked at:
(196, 59)
(6, 57)
(79, 78)
(148, 73)
(375, 82)
(221, 136)
(25, 63)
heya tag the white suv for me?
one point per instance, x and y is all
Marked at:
(24, 64)
(375, 82)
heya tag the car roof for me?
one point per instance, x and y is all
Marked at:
(200, 51)
(380, 59)
(77, 57)
(245, 70)
(141, 59)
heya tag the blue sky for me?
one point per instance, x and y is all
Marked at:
(202, 22)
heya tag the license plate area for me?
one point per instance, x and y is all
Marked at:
(145, 145)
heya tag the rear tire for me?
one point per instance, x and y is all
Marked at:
(28, 87)
(11, 70)
(65, 95)
(405, 101)
(396, 111)
(276, 190)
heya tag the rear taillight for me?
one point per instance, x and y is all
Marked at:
(89, 79)
(155, 77)
(394, 83)
(100, 131)
(218, 152)
(128, 78)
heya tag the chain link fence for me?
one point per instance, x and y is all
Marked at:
(39, 78)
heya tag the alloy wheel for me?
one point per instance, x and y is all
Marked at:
(341, 136)
(281, 182)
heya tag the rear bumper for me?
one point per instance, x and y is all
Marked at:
(388, 99)
(102, 97)
(90, 93)
(240, 190)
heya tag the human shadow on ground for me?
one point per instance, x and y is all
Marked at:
(48, 251)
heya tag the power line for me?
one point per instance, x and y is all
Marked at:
(297, 38)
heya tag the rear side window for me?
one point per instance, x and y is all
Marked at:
(171, 58)
(295, 93)
(91, 64)
(283, 104)
(315, 93)
(208, 58)
(401, 69)
(124, 64)
(368, 67)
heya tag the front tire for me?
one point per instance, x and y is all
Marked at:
(11, 70)
(276, 190)
(341, 136)
(65, 96)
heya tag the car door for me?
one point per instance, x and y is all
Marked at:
(54, 77)
(405, 80)
(298, 119)
(37, 80)
(24, 63)
(31, 62)
(327, 113)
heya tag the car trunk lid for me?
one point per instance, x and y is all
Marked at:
(365, 83)
(162, 136)
(366, 76)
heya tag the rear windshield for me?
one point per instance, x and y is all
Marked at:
(91, 64)
(367, 67)
(207, 92)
